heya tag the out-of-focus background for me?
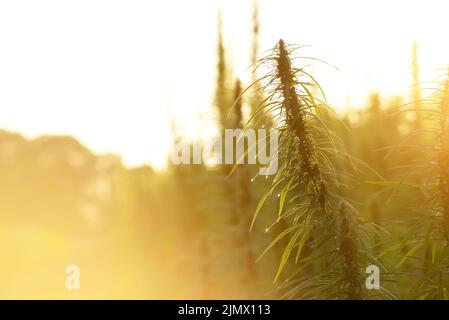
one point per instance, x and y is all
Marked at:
(94, 93)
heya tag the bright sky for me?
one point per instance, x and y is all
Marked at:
(104, 71)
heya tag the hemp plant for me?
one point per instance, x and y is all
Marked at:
(429, 236)
(324, 234)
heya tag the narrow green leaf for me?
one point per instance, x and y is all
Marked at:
(277, 239)
(384, 183)
(303, 240)
(286, 253)
(409, 252)
(262, 202)
(283, 195)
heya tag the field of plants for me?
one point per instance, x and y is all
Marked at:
(367, 189)
(355, 190)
